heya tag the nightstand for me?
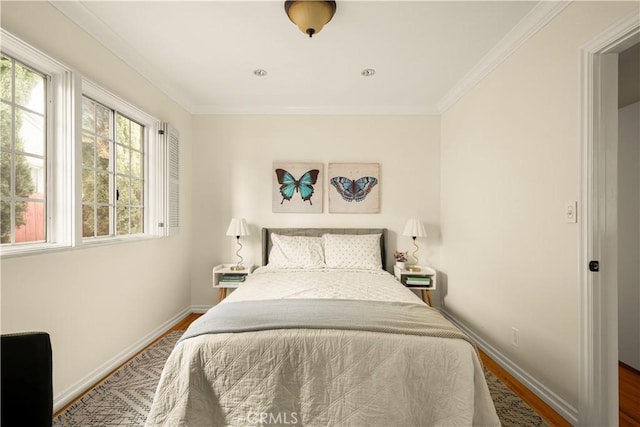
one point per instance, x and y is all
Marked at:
(224, 278)
(425, 280)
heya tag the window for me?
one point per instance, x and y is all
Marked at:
(23, 142)
(113, 181)
(124, 179)
(65, 183)
(36, 149)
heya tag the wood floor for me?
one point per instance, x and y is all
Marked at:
(629, 380)
(538, 405)
(629, 387)
(629, 395)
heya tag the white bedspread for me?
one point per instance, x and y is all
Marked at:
(322, 377)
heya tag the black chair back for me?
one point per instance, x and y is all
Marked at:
(26, 376)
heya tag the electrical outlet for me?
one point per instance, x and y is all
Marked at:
(515, 339)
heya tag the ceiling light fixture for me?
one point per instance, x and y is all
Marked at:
(260, 72)
(368, 72)
(310, 16)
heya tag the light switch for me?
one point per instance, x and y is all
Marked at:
(571, 213)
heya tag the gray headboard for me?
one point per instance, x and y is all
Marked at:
(317, 232)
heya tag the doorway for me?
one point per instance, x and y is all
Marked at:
(629, 207)
(598, 360)
(629, 234)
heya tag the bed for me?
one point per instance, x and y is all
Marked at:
(323, 335)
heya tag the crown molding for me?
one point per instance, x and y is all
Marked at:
(322, 110)
(78, 13)
(528, 26)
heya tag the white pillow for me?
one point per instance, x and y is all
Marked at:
(296, 252)
(352, 251)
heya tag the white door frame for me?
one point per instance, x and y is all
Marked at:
(598, 359)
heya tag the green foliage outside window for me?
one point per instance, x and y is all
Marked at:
(104, 197)
(21, 184)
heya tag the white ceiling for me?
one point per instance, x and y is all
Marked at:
(203, 53)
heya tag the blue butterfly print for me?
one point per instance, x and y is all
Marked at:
(355, 190)
(289, 185)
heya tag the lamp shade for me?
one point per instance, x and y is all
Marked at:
(414, 228)
(238, 227)
(310, 16)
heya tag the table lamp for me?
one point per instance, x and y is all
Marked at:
(238, 227)
(414, 228)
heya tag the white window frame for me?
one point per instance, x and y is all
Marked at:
(59, 149)
(153, 207)
(64, 156)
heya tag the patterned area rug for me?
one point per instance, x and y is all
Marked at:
(124, 398)
(512, 411)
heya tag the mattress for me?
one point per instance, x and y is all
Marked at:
(322, 376)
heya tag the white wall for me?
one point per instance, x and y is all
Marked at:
(510, 164)
(233, 156)
(629, 235)
(97, 302)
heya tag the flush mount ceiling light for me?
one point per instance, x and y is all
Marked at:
(368, 72)
(260, 72)
(310, 16)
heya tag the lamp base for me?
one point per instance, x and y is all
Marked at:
(413, 268)
(236, 267)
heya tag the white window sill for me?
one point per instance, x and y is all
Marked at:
(31, 249)
(106, 241)
(46, 248)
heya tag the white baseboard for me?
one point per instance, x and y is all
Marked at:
(200, 308)
(74, 391)
(567, 411)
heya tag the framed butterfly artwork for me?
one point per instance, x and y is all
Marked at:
(354, 187)
(297, 187)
